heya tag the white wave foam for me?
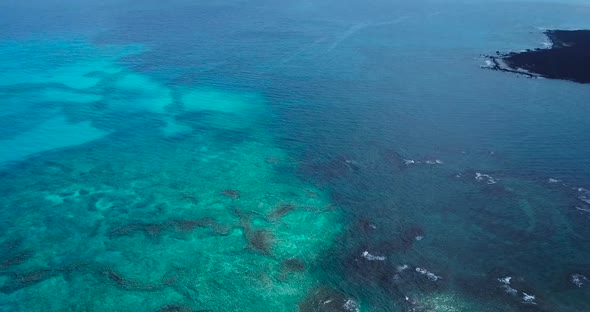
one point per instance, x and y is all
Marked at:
(585, 196)
(351, 305)
(509, 290)
(408, 162)
(505, 280)
(489, 64)
(401, 268)
(479, 177)
(506, 285)
(579, 280)
(371, 257)
(431, 276)
(528, 299)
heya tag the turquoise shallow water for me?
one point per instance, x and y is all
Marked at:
(292, 156)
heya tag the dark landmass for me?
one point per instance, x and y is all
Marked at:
(568, 58)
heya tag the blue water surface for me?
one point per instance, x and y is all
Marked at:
(289, 156)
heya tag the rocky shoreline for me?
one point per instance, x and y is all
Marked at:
(567, 58)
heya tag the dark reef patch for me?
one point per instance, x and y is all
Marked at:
(15, 259)
(568, 58)
(291, 266)
(179, 308)
(102, 273)
(258, 240)
(22, 280)
(281, 211)
(233, 194)
(154, 231)
(11, 253)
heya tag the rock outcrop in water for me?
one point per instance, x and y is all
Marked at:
(566, 59)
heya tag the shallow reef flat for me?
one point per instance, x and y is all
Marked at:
(194, 209)
(169, 222)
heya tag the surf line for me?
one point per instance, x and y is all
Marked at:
(339, 39)
(360, 26)
(289, 58)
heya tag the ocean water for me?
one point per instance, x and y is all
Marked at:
(289, 156)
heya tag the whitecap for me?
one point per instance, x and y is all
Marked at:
(431, 276)
(505, 280)
(479, 177)
(552, 180)
(401, 268)
(371, 257)
(506, 285)
(408, 162)
(351, 305)
(528, 299)
(585, 196)
(579, 280)
(510, 290)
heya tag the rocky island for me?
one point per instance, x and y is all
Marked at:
(568, 58)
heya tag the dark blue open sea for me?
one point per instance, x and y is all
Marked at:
(311, 155)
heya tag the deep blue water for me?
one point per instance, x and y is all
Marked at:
(289, 156)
